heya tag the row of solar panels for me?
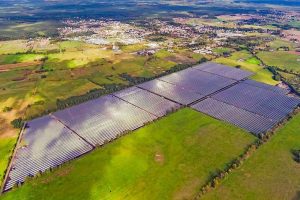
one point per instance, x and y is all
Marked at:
(66, 134)
(55, 139)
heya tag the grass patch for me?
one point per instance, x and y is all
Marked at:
(13, 46)
(281, 59)
(170, 158)
(19, 58)
(6, 148)
(253, 60)
(222, 50)
(264, 76)
(270, 173)
(246, 61)
(278, 43)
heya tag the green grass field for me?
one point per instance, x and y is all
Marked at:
(6, 148)
(295, 24)
(168, 159)
(221, 50)
(246, 61)
(281, 59)
(281, 43)
(19, 58)
(270, 173)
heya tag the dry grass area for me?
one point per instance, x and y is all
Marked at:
(8, 67)
(292, 34)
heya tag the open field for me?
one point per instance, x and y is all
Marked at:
(281, 59)
(20, 58)
(244, 60)
(270, 173)
(279, 43)
(172, 158)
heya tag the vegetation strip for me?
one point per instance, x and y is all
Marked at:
(11, 158)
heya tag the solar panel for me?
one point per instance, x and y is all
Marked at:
(264, 102)
(46, 144)
(103, 119)
(246, 120)
(198, 81)
(267, 87)
(147, 101)
(171, 91)
(223, 70)
(69, 133)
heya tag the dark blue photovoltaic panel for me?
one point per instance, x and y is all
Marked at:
(147, 101)
(103, 119)
(198, 81)
(66, 134)
(264, 102)
(246, 120)
(47, 144)
(171, 91)
(267, 87)
(223, 70)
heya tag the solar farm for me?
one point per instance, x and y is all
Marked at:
(222, 92)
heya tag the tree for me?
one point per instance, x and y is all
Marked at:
(296, 155)
(17, 123)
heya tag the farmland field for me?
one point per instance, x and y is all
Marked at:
(172, 158)
(270, 173)
(281, 59)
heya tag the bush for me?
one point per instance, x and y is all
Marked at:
(7, 109)
(17, 123)
(296, 155)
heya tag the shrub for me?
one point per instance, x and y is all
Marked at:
(296, 155)
(7, 109)
(17, 123)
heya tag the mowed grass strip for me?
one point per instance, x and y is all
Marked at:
(270, 173)
(168, 159)
(6, 149)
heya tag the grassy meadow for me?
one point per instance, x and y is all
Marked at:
(270, 173)
(245, 60)
(168, 159)
(281, 59)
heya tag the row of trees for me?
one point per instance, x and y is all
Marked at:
(137, 80)
(92, 94)
(106, 89)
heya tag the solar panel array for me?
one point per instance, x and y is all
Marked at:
(171, 91)
(269, 104)
(103, 119)
(198, 81)
(249, 121)
(267, 87)
(67, 134)
(223, 70)
(47, 144)
(147, 101)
